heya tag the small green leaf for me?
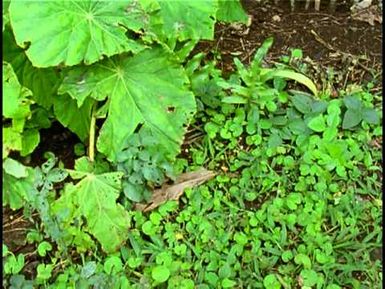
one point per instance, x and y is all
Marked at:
(352, 102)
(155, 218)
(333, 118)
(211, 129)
(296, 53)
(224, 271)
(333, 286)
(113, 265)
(5, 250)
(319, 106)
(271, 282)
(44, 271)
(234, 99)
(160, 273)
(148, 228)
(303, 259)
(352, 118)
(302, 103)
(252, 120)
(30, 141)
(310, 277)
(211, 278)
(287, 256)
(370, 116)
(43, 248)
(271, 106)
(227, 283)
(265, 124)
(279, 120)
(261, 53)
(330, 133)
(298, 127)
(271, 73)
(317, 124)
(14, 168)
(88, 269)
(274, 141)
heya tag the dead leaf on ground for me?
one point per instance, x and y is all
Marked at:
(175, 191)
(370, 15)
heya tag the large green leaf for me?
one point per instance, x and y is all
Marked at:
(43, 82)
(148, 88)
(5, 13)
(18, 180)
(11, 141)
(77, 119)
(29, 141)
(94, 197)
(15, 96)
(231, 11)
(189, 19)
(16, 107)
(69, 32)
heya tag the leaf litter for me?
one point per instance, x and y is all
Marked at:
(175, 191)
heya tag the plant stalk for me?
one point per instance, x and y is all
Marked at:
(91, 143)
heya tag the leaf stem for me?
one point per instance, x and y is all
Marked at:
(91, 144)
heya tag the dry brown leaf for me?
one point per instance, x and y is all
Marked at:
(369, 15)
(175, 191)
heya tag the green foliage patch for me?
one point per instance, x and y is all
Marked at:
(296, 201)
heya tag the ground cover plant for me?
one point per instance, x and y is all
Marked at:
(289, 196)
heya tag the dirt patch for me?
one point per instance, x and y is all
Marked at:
(60, 141)
(15, 228)
(329, 39)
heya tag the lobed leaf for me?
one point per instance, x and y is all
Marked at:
(231, 11)
(148, 89)
(70, 32)
(95, 197)
(189, 19)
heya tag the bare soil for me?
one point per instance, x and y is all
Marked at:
(352, 47)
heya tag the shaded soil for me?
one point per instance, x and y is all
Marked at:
(58, 140)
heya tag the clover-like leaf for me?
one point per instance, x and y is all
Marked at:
(71, 32)
(148, 88)
(160, 273)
